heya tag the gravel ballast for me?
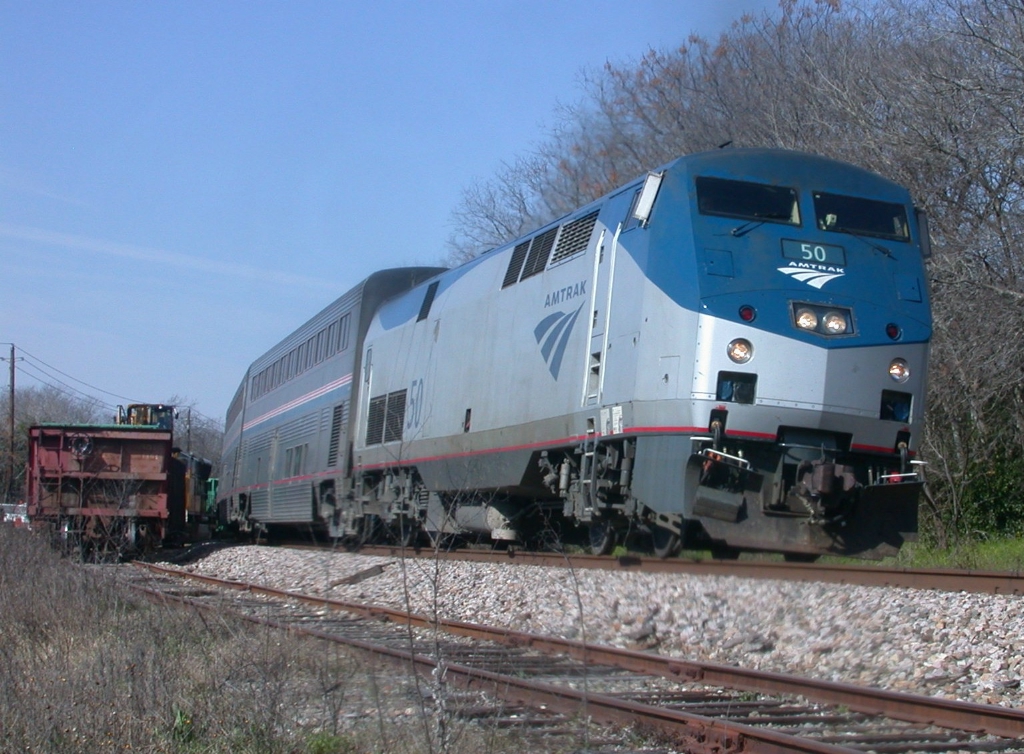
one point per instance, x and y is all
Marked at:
(955, 645)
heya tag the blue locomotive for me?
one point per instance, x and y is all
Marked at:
(730, 352)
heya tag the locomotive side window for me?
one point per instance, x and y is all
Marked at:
(632, 221)
(747, 201)
(428, 301)
(866, 217)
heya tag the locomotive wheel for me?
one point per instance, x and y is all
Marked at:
(405, 531)
(665, 541)
(354, 540)
(361, 530)
(602, 537)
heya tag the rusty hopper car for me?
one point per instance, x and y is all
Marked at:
(105, 490)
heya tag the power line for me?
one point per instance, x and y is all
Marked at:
(75, 393)
(44, 378)
(71, 391)
(32, 358)
(201, 415)
(70, 377)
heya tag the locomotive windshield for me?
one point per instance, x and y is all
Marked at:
(747, 201)
(867, 217)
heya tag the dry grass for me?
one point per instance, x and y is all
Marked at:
(88, 666)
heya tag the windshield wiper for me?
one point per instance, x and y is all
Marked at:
(741, 230)
(877, 247)
(761, 219)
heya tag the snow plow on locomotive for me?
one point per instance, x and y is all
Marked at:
(729, 352)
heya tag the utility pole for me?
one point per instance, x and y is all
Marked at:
(10, 435)
(10, 438)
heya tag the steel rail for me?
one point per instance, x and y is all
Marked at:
(939, 579)
(948, 713)
(696, 733)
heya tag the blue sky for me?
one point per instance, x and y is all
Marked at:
(184, 183)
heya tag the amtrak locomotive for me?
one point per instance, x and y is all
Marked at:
(729, 352)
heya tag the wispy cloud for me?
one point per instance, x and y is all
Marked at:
(65, 241)
(22, 182)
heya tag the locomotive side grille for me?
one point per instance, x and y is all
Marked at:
(375, 420)
(575, 237)
(395, 416)
(515, 264)
(386, 418)
(539, 251)
(338, 421)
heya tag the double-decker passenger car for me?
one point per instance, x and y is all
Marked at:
(730, 351)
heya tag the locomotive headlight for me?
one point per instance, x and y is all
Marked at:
(899, 370)
(740, 351)
(834, 323)
(820, 319)
(806, 319)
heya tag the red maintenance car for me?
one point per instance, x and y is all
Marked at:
(108, 490)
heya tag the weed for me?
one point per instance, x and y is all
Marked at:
(330, 743)
(183, 729)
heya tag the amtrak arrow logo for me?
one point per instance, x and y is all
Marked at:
(552, 335)
(814, 276)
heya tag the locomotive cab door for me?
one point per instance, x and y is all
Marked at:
(602, 284)
(359, 431)
(602, 290)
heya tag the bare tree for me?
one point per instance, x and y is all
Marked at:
(197, 433)
(926, 92)
(35, 405)
(497, 210)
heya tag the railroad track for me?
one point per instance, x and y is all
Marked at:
(702, 706)
(940, 579)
